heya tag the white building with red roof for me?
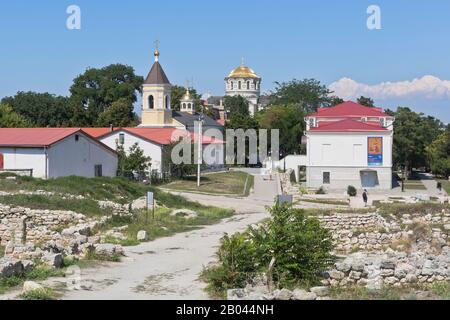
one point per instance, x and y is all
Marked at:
(55, 152)
(154, 143)
(349, 144)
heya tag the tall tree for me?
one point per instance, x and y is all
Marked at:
(413, 133)
(307, 95)
(368, 102)
(178, 93)
(11, 119)
(290, 121)
(41, 109)
(438, 155)
(93, 92)
(133, 160)
(236, 104)
(120, 114)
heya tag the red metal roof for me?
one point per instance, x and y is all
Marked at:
(347, 125)
(96, 132)
(33, 137)
(349, 109)
(162, 136)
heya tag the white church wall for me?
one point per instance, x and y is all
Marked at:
(71, 157)
(152, 150)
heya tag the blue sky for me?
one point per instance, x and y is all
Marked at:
(204, 40)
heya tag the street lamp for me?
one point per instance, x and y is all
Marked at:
(200, 147)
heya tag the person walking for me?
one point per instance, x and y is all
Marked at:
(365, 196)
(439, 186)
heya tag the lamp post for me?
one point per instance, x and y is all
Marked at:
(200, 148)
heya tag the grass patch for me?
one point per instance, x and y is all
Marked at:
(326, 201)
(38, 273)
(361, 293)
(399, 209)
(2, 251)
(446, 185)
(85, 206)
(39, 294)
(225, 183)
(414, 185)
(163, 224)
(119, 190)
(331, 211)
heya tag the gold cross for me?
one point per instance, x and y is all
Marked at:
(242, 61)
(157, 44)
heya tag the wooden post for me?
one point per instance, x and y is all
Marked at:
(270, 274)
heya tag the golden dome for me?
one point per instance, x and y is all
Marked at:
(243, 72)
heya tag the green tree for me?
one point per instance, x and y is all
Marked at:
(133, 160)
(334, 101)
(94, 91)
(290, 121)
(182, 170)
(236, 104)
(11, 119)
(41, 109)
(120, 114)
(413, 133)
(368, 102)
(307, 95)
(439, 156)
(300, 246)
(178, 93)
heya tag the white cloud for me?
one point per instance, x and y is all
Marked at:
(427, 87)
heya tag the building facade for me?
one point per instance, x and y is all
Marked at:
(349, 144)
(55, 152)
(244, 82)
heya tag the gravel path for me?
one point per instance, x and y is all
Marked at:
(169, 268)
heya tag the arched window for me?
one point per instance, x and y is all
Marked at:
(151, 102)
(190, 105)
(231, 85)
(167, 102)
(239, 85)
(248, 85)
(184, 105)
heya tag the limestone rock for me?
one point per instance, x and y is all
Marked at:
(320, 291)
(142, 235)
(185, 213)
(10, 267)
(236, 294)
(53, 260)
(29, 286)
(283, 294)
(299, 294)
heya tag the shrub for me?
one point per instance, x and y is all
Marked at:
(321, 191)
(300, 246)
(303, 190)
(351, 191)
(39, 294)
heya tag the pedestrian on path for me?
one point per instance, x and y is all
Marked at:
(365, 196)
(439, 186)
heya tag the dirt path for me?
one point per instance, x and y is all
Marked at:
(169, 268)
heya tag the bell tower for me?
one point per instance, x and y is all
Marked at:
(156, 94)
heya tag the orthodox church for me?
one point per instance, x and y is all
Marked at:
(156, 104)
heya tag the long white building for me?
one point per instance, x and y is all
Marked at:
(349, 144)
(55, 152)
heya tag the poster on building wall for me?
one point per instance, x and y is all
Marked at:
(375, 151)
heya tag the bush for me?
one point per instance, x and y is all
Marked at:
(300, 246)
(321, 191)
(351, 191)
(303, 190)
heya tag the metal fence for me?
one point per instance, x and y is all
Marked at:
(19, 172)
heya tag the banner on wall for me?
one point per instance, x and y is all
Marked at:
(375, 151)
